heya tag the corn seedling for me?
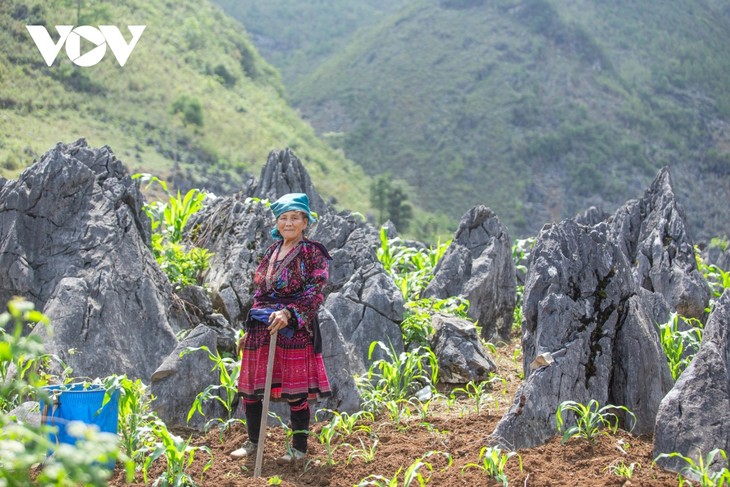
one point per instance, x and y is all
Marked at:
(717, 278)
(416, 326)
(411, 475)
(422, 407)
(367, 453)
(700, 471)
(476, 390)
(397, 377)
(493, 462)
(678, 345)
(620, 469)
(179, 455)
(135, 414)
(399, 413)
(275, 480)
(288, 433)
(326, 435)
(225, 393)
(348, 424)
(183, 267)
(590, 419)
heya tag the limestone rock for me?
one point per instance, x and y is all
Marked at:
(368, 308)
(478, 266)
(461, 356)
(653, 233)
(581, 307)
(694, 417)
(75, 242)
(178, 380)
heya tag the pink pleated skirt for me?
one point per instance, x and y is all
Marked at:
(298, 371)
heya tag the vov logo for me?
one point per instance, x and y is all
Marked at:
(105, 35)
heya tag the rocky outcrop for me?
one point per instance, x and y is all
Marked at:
(478, 266)
(652, 233)
(461, 355)
(694, 418)
(582, 311)
(284, 173)
(368, 308)
(74, 241)
(592, 216)
(178, 380)
(236, 230)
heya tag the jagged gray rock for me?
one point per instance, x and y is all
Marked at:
(369, 308)
(178, 380)
(591, 216)
(284, 173)
(351, 243)
(694, 417)
(461, 356)
(653, 233)
(341, 362)
(74, 242)
(236, 230)
(581, 307)
(478, 266)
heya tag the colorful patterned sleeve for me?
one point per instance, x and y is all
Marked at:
(315, 269)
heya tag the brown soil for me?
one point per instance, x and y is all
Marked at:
(457, 429)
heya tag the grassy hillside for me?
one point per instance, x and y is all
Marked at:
(537, 108)
(194, 103)
(297, 36)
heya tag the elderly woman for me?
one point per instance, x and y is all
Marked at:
(288, 287)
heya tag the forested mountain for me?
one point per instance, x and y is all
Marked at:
(297, 36)
(195, 103)
(537, 108)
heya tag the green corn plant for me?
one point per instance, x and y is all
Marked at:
(411, 475)
(135, 415)
(171, 217)
(680, 346)
(493, 462)
(399, 413)
(225, 393)
(590, 419)
(416, 326)
(288, 433)
(348, 424)
(476, 391)
(396, 377)
(423, 407)
(327, 435)
(182, 266)
(411, 268)
(717, 278)
(700, 471)
(367, 453)
(621, 469)
(179, 455)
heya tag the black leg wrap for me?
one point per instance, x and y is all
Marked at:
(300, 422)
(253, 410)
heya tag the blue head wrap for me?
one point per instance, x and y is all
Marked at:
(291, 202)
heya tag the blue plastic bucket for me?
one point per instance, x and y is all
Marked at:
(79, 402)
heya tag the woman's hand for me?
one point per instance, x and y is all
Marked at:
(278, 320)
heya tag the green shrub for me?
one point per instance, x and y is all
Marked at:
(191, 109)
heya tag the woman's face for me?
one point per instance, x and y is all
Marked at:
(291, 225)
